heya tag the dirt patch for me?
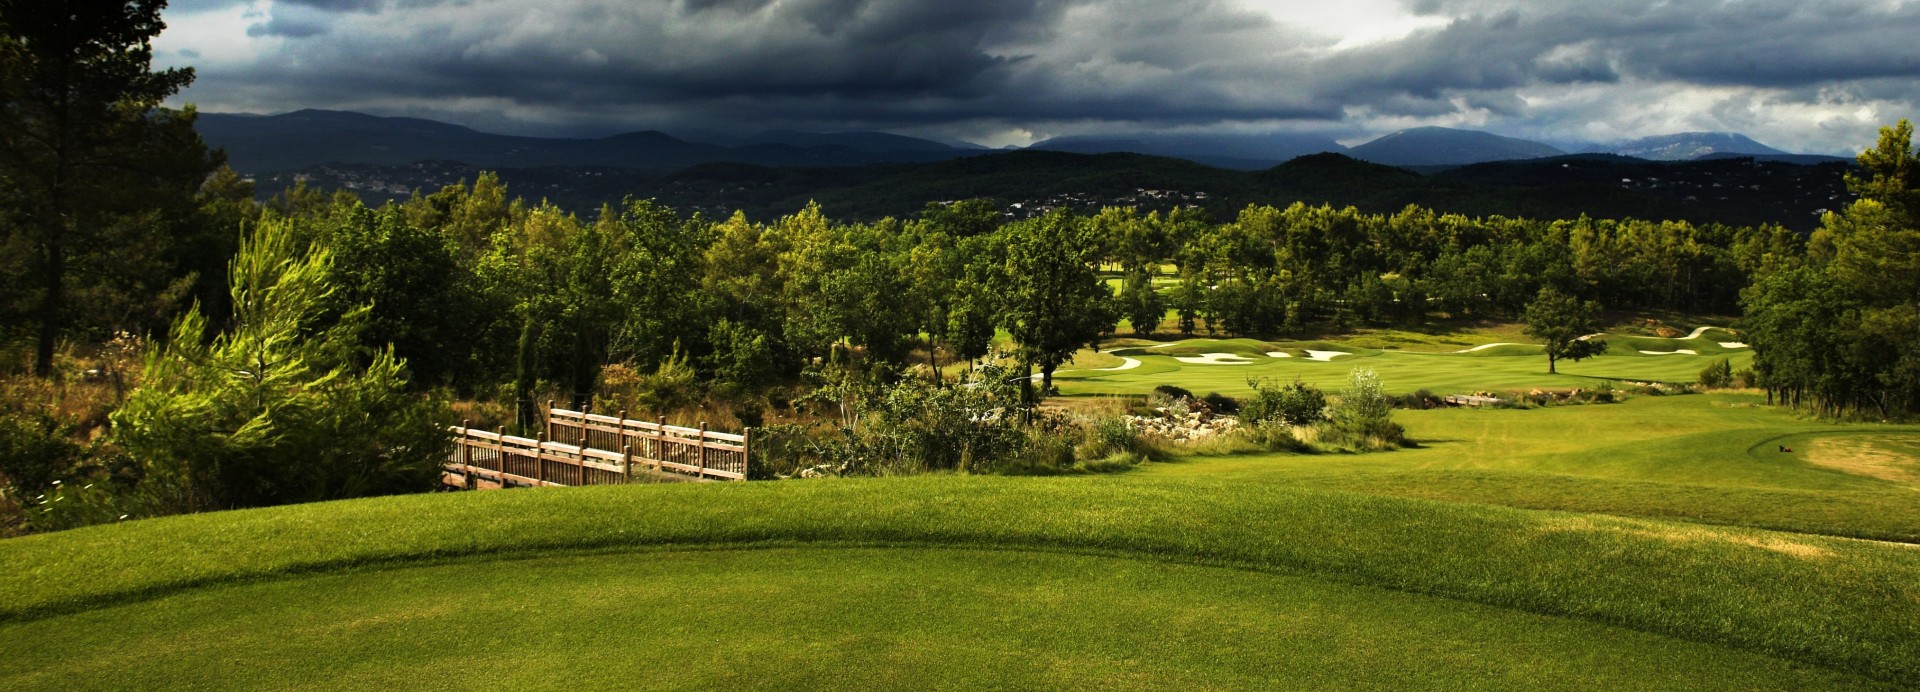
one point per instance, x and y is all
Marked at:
(1694, 535)
(1887, 458)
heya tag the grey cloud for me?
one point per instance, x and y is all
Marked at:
(1057, 65)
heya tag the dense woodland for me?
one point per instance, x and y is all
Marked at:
(233, 333)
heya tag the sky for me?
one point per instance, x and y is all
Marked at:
(1810, 76)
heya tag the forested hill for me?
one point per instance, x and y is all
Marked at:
(1731, 191)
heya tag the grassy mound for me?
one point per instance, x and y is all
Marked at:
(1833, 602)
(1220, 554)
(838, 618)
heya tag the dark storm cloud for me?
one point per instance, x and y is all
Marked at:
(1050, 64)
(293, 22)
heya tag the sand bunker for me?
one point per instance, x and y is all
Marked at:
(1681, 352)
(1125, 364)
(1483, 347)
(1697, 332)
(1324, 356)
(1279, 354)
(1733, 344)
(1215, 359)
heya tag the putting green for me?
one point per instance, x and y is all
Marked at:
(1224, 365)
(829, 617)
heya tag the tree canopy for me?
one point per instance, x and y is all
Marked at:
(96, 178)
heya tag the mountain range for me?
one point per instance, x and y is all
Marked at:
(269, 143)
(258, 144)
(1690, 146)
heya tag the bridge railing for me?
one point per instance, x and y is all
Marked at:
(580, 448)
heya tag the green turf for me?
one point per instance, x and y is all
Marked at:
(1838, 603)
(836, 618)
(1515, 367)
(1709, 458)
(1661, 542)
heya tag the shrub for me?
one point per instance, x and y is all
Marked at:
(35, 451)
(911, 426)
(673, 387)
(1172, 392)
(1297, 403)
(1221, 403)
(1717, 375)
(1106, 436)
(1420, 400)
(281, 408)
(1362, 418)
(1604, 392)
(1273, 436)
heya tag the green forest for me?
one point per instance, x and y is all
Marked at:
(219, 334)
(848, 433)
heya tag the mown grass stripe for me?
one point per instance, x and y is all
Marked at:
(1844, 604)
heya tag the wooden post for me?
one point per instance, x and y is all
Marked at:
(626, 463)
(581, 458)
(701, 450)
(549, 416)
(466, 454)
(539, 460)
(660, 444)
(621, 438)
(501, 459)
(746, 451)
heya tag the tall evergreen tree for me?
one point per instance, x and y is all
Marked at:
(83, 136)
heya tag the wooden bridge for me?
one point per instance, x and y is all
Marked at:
(580, 448)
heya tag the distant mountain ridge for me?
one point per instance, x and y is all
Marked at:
(258, 144)
(1236, 152)
(1691, 146)
(1445, 146)
(290, 141)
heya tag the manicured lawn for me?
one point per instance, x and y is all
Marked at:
(1501, 368)
(1709, 458)
(1663, 542)
(839, 617)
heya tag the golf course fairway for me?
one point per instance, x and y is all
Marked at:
(1661, 542)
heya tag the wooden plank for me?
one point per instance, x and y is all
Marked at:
(601, 455)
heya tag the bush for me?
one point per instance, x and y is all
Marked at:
(1362, 418)
(911, 426)
(1717, 375)
(673, 387)
(1111, 443)
(1420, 400)
(1172, 392)
(1273, 436)
(1604, 392)
(1297, 404)
(1221, 403)
(35, 451)
(279, 409)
